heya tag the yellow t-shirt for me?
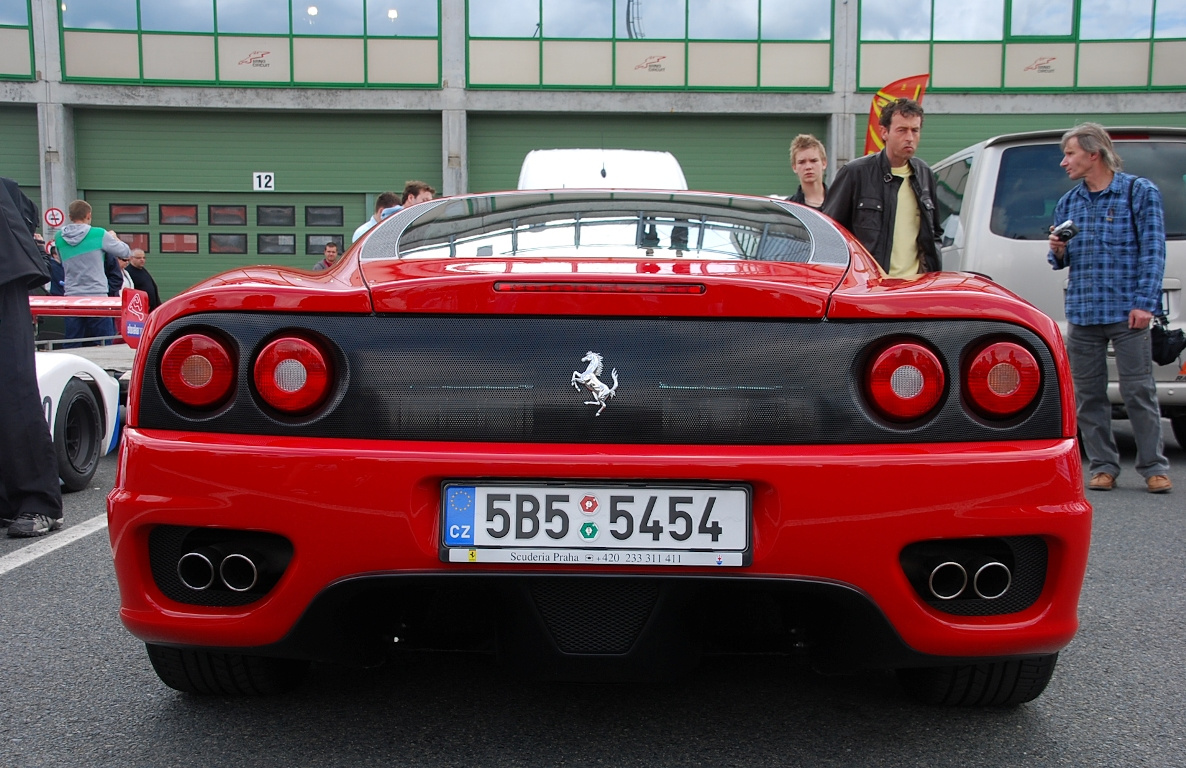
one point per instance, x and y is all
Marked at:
(904, 257)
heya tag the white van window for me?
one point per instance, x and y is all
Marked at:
(949, 194)
(1031, 182)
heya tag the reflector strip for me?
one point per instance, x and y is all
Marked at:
(574, 287)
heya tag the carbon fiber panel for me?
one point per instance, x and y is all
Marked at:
(679, 381)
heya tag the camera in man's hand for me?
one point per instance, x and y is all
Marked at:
(1065, 231)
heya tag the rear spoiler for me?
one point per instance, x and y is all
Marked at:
(131, 308)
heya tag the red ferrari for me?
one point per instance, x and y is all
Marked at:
(601, 434)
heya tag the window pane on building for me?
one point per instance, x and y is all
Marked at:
(393, 18)
(896, 19)
(723, 19)
(323, 215)
(796, 20)
(99, 14)
(1051, 18)
(1109, 20)
(128, 214)
(177, 15)
(253, 16)
(14, 12)
(135, 240)
(960, 20)
(579, 18)
(1171, 20)
(504, 18)
(315, 244)
(276, 245)
(228, 215)
(275, 215)
(179, 214)
(652, 20)
(327, 17)
(228, 243)
(179, 243)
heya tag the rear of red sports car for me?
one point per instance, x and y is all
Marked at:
(601, 434)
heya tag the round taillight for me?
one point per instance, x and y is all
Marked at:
(292, 375)
(197, 370)
(1002, 379)
(905, 381)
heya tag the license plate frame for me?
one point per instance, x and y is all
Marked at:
(654, 523)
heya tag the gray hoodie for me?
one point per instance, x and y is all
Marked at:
(82, 247)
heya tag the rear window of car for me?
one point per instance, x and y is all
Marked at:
(532, 226)
(1031, 182)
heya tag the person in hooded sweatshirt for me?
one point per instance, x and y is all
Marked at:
(86, 253)
(30, 497)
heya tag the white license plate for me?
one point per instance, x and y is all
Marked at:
(573, 524)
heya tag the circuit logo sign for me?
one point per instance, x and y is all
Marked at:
(256, 59)
(652, 64)
(1042, 65)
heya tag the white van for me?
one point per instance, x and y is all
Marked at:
(601, 169)
(996, 201)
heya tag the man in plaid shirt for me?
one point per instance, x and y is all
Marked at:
(1117, 262)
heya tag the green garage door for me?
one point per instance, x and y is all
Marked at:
(725, 154)
(19, 149)
(181, 184)
(189, 236)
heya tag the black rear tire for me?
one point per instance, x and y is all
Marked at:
(1179, 425)
(992, 684)
(224, 674)
(78, 435)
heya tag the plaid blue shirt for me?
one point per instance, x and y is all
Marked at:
(1111, 273)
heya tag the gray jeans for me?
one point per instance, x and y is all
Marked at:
(1087, 347)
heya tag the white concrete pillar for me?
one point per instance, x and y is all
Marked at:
(843, 125)
(454, 136)
(55, 135)
(55, 121)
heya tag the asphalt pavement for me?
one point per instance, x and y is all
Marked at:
(77, 690)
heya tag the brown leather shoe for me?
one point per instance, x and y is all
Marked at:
(1102, 481)
(1158, 484)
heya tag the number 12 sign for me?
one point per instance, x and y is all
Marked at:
(263, 181)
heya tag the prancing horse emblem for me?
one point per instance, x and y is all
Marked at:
(588, 379)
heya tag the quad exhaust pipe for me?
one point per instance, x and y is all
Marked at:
(992, 580)
(237, 571)
(949, 580)
(196, 569)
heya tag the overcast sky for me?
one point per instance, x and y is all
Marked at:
(984, 19)
(660, 19)
(332, 17)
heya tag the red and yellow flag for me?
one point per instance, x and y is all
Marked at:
(908, 88)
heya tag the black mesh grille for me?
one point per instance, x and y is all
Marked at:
(1025, 556)
(681, 381)
(594, 616)
(167, 543)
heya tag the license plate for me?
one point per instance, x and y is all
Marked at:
(567, 523)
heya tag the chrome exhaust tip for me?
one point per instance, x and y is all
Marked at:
(196, 571)
(238, 572)
(992, 580)
(947, 580)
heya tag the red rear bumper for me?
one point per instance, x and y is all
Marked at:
(839, 515)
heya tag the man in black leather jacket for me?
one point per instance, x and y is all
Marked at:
(30, 498)
(898, 224)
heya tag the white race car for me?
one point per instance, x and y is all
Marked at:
(81, 405)
(80, 398)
